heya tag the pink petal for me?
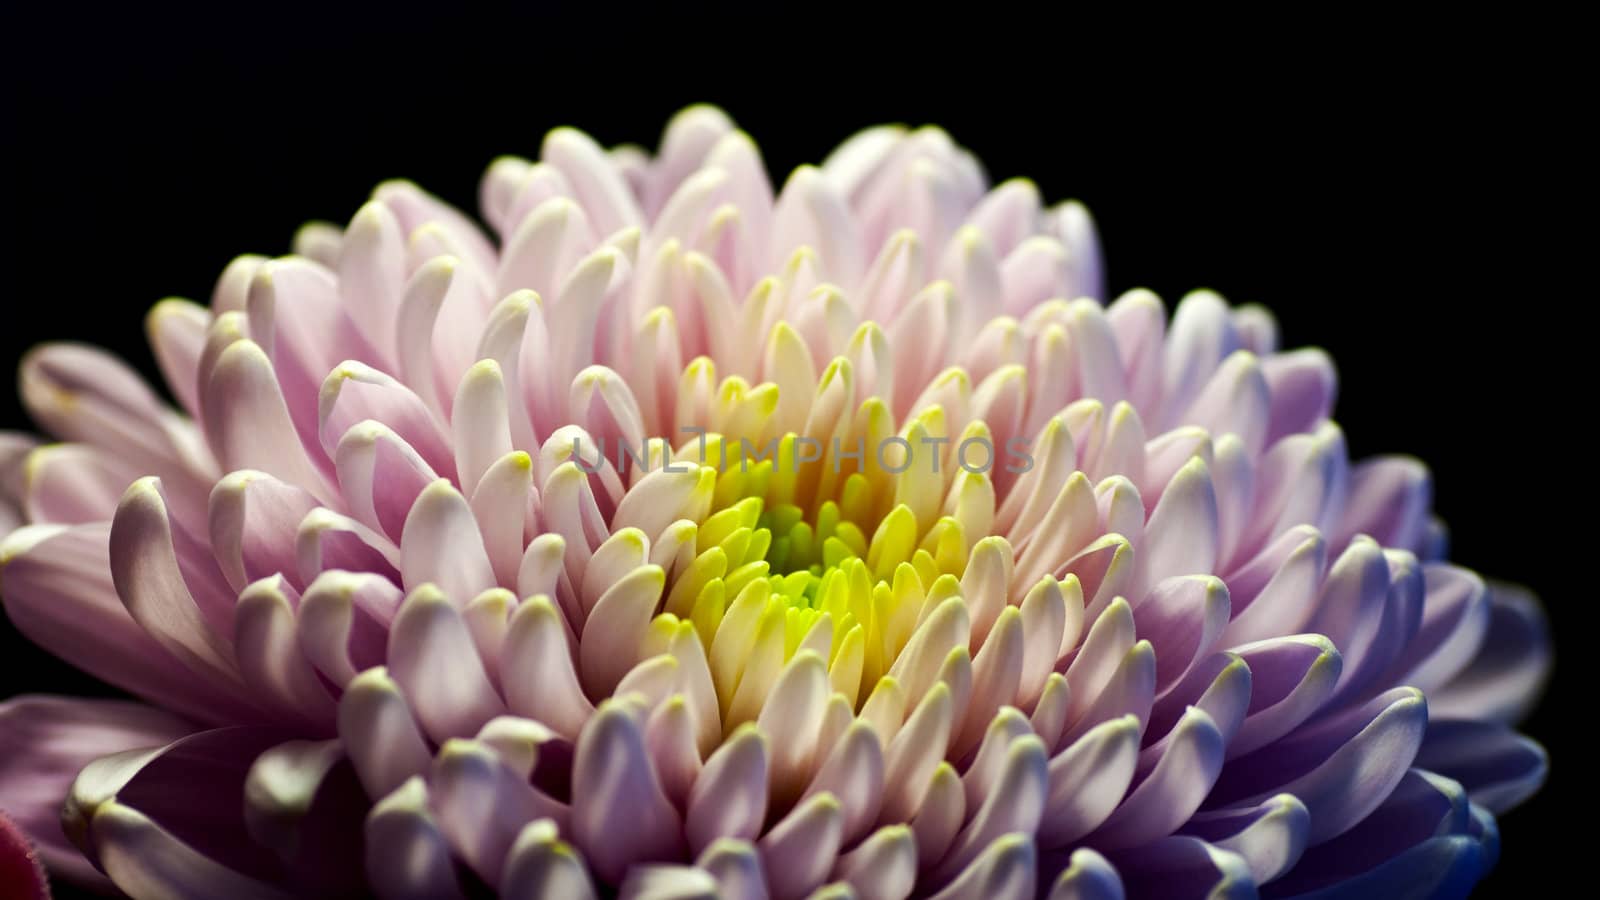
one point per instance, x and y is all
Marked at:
(379, 734)
(433, 659)
(59, 594)
(44, 741)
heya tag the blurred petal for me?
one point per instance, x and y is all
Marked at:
(1498, 767)
(44, 742)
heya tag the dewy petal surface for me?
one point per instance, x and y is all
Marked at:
(690, 532)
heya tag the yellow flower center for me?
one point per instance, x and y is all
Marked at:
(794, 556)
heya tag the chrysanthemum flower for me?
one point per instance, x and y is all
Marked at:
(693, 541)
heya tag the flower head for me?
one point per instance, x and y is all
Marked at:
(692, 540)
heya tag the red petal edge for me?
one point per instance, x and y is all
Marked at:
(21, 874)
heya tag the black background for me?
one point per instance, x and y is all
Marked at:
(1402, 195)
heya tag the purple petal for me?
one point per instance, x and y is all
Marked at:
(135, 812)
(148, 568)
(1199, 337)
(376, 727)
(799, 851)
(853, 773)
(295, 315)
(1131, 691)
(1179, 867)
(1139, 321)
(619, 814)
(1506, 677)
(1454, 624)
(1088, 780)
(302, 799)
(1302, 384)
(1291, 678)
(1277, 592)
(1181, 618)
(343, 622)
(327, 540)
(1299, 481)
(1102, 651)
(1221, 686)
(1004, 871)
(737, 868)
(1350, 611)
(1173, 788)
(1181, 537)
(80, 393)
(177, 330)
(540, 864)
(1235, 401)
(1390, 500)
(441, 544)
(942, 814)
(481, 805)
(146, 860)
(353, 393)
(1342, 768)
(248, 423)
(1014, 804)
(729, 799)
(270, 659)
(1270, 836)
(401, 827)
(1498, 767)
(380, 476)
(665, 882)
(1418, 843)
(537, 670)
(1087, 876)
(882, 867)
(1398, 620)
(372, 272)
